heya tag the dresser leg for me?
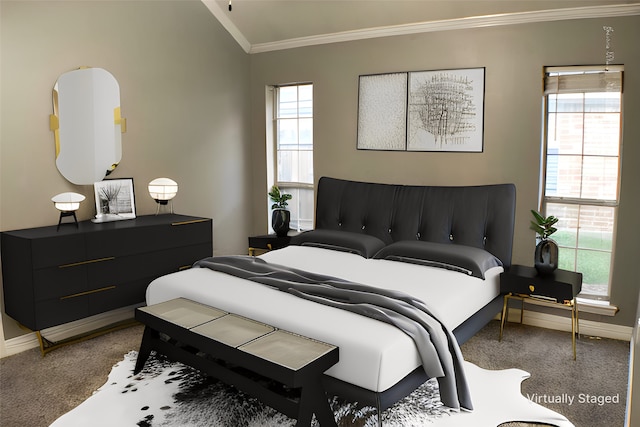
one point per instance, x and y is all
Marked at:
(46, 345)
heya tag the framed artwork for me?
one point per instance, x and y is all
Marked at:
(114, 200)
(439, 110)
(382, 112)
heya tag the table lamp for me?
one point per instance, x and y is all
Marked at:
(67, 204)
(162, 190)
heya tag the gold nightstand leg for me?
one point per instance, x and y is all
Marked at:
(573, 329)
(504, 316)
(575, 302)
(575, 326)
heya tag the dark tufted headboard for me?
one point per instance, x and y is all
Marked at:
(479, 216)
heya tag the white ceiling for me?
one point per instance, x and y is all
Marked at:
(263, 25)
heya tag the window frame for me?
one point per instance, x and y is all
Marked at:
(273, 151)
(581, 201)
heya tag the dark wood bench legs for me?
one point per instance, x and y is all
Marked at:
(145, 348)
(313, 399)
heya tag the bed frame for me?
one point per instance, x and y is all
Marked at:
(479, 216)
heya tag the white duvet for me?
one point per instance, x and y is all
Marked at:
(373, 355)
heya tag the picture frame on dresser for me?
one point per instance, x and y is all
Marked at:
(115, 199)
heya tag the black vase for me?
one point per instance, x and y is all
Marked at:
(280, 221)
(546, 256)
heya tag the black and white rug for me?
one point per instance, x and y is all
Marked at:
(174, 395)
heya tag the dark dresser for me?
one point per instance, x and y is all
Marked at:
(54, 276)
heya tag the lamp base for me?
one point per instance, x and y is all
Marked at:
(67, 213)
(167, 203)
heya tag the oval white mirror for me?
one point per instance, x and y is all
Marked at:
(87, 125)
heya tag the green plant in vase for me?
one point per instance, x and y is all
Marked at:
(546, 253)
(281, 216)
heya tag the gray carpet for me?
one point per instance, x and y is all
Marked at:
(601, 369)
(34, 391)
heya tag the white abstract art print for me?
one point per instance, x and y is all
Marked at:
(382, 112)
(446, 110)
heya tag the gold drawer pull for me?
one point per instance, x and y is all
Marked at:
(91, 261)
(532, 288)
(193, 221)
(88, 292)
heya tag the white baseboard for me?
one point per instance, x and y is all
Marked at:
(533, 318)
(560, 323)
(58, 333)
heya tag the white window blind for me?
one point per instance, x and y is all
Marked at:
(582, 79)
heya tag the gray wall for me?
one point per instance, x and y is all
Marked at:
(194, 103)
(514, 57)
(184, 91)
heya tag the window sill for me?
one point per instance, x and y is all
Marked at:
(603, 308)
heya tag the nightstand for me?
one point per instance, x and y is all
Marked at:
(558, 289)
(267, 242)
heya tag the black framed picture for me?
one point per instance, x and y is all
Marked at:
(440, 110)
(114, 200)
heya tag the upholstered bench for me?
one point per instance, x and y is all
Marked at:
(225, 346)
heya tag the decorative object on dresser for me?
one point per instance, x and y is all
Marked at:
(163, 190)
(115, 200)
(558, 288)
(267, 242)
(67, 204)
(546, 255)
(281, 216)
(55, 276)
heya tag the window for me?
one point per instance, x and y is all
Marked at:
(582, 169)
(293, 137)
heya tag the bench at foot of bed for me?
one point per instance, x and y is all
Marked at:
(243, 353)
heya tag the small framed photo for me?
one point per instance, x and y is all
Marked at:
(114, 200)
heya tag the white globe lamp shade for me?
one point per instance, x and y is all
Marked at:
(67, 202)
(163, 189)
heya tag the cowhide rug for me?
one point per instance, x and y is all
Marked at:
(174, 395)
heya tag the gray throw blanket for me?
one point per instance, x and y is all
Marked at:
(438, 348)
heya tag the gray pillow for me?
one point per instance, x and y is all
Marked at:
(465, 259)
(358, 243)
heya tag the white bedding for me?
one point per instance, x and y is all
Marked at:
(373, 355)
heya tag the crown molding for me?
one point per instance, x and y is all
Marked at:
(228, 25)
(443, 25)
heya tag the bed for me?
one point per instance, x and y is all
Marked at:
(443, 245)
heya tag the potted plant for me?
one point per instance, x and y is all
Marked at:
(280, 216)
(546, 254)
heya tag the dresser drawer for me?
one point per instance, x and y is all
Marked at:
(57, 311)
(54, 251)
(150, 238)
(121, 295)
(55, 282)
